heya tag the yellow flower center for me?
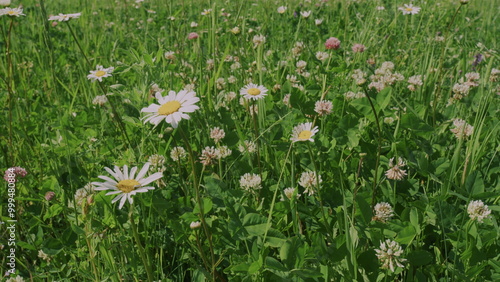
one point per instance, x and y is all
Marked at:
(305, 135)
(128, 185)
(100, 73)
(253, 91)
(11, 13)
(409, 9)
(169, 108)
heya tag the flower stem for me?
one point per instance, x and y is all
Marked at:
(379, 148)
(142, 252)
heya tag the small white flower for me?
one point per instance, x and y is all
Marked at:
(478, 210)
(310, 181)
(100, 73)
(282, 9)
(304, 132)
(389, 254)
(178, 153)
(126, 183)
(12, 12)
(250, 181)
(395, 172)
(409, 9)
(65, 17)
(171, 108)
(383, 212)
(305, 14)
(253, 91)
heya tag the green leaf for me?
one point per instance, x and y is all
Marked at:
(420, 257)
(207, 206)
(54, 210)
(384, 97)
(406, 235)
(474, 183)
(255, 224)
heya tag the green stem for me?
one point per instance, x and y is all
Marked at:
(9, 81)
(142, 252)
(379, 148)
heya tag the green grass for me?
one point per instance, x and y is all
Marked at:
(53, 129)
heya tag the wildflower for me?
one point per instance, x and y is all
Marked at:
(50, 195)
(289, 192)
(298, 48)
(64, 17)
(126, 184)
(351, 95)
(223, 152)
(395, 172)
(286, 100)
(171, 108)
(206, 12)
(43, 256)
(380, 8)
(156, 160)
(195, 225)
(383, 212)
(461, 129)
(193, 35)
(258, 40)
(301, 64)
(15, 279)
(332, 43)
(322, 56)
(169, 55)
(13, 172)
(250, 182)
(304, 132)
(217, 134)
(305, 14)
(358, 48)
(4, 2)
(409, 9)
(282, 9)
(100, 100)
(309, 181)
(247, 146)
(253, 91)
(323, 107)
(318, 21)
(478, 210)
(235, 30)
(177, 154)
(82, 194)
(494, 74)
(100, 73)
(12, 12)
(389, 120)
(208, 155)
(389, 254)
(194, 24)
(359, 76)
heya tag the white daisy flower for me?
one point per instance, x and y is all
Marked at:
(65, 17)
(304, 132)
(172, 107)
(12, 12)
(253, 91)
(126, 184)
(409, 9)
(99, 73)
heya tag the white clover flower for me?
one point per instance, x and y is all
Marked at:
(177, 154)
(395, 172)
(250, 182)
(247, 146)
(156, 160)
(282, 9)
(195, 225)
(389, 254)
(217, 134)
(462, 129)
(383, 212)
(64, 17)
(100, 100)
(323, 107)
(258, 40)
(310, 181)
(478, 210)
